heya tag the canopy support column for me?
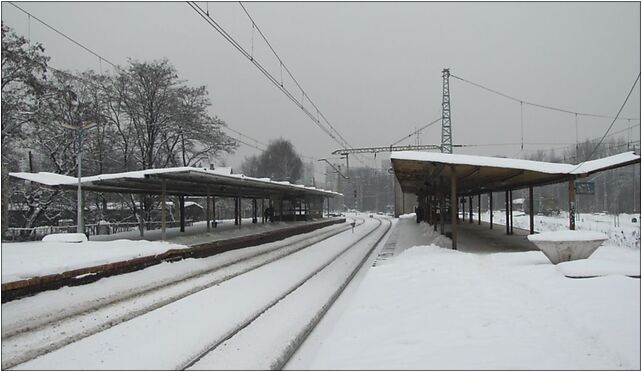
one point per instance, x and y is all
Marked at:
(510, 203)
(207, 210)
(531, 210)
(571, 203)
(240, 201)
(181, 203)
(442, 203)
(435, 202)
(453, 205)
(507, 216)
(236, 211)
(254, 207)
(490, 208)
(479, 209)
(470, 209)
(214, 211)
(427, 214)
(262, 210)
(163, 210)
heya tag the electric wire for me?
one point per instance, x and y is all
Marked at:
(284, 66)
(260, 67)
(537, 104)
(246, 136)
(63, 34)
(101, 58)
(416, 131)
(614, 119)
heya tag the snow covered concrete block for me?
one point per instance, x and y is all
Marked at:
(561, 246)
(65, 238)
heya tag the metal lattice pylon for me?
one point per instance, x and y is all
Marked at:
(446, 129)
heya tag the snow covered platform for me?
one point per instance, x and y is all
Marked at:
(429, 307)
(30, 267)
(473, 238)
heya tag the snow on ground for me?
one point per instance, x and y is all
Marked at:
(167, 337)
(435, 308)
(29, 259)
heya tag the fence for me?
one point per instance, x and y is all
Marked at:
(37, 233)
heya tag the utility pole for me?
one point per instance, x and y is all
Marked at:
(446, 129)
(79, 128)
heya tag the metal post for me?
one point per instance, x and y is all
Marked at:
(441, 205)
(207, 211)
(470, 209)
(427, 208)
(214, 211)
(510, 203)
(530, 210)
(571, 203)
(80, 229)
(479, 209)
(163, 210)
(181, 202)
(434, 213)
(240, 201)
(490, 208)
(236, 211)
(507, 216)
(453, 204)
(254, 207)
(262, 210)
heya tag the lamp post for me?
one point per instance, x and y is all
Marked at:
(80, 128)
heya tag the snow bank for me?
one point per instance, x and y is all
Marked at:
(65, 238)
(439, 309)
(30, 259)
(607, 260)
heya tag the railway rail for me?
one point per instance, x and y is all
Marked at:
(22, 344)
(25, 339)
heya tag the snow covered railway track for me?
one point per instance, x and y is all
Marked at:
(46, 332)
(293, 310)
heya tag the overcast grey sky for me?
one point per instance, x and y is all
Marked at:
(374, 69)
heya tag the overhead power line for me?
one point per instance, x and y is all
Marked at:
(287, 70)
(615, 118)
(263, 70)
(521, 101)
(246, 136)
(101, 58)
(245, 143)
(417, 131)
(270, 77)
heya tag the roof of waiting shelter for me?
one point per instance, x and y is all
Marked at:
(416, 170)
(178, 181)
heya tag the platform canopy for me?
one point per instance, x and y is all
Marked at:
(418, 171)
(179, 181)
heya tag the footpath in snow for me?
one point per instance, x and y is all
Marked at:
(429, 307)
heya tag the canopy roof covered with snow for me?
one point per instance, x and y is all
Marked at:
(416, 171)
(179, 181)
